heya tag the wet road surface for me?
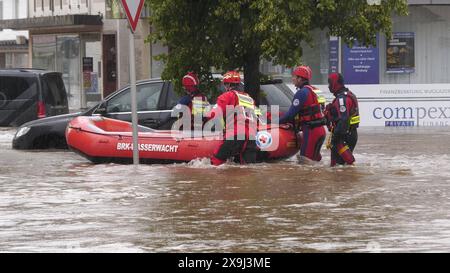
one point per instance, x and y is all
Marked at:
(395, 199)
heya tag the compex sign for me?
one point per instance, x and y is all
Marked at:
(400, 105)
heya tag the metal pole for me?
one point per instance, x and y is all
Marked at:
(134, 117)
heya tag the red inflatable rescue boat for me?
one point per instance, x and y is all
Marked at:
(104, 140)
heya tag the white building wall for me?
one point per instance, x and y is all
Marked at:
(98, 6)
(65, 7)
(7, 9)
(22, 6)
(13, 9)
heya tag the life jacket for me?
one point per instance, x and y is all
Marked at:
(244, 114)
(334, 111)
(200, 105)
(354, 118)
(320, 98)
(311, 110)
(354, 112)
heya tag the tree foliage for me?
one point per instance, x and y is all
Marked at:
(237, 34)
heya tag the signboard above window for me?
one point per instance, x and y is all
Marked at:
(400, 53)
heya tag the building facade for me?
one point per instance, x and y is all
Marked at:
(403, 81)
(86, 40)
(418, 52)
(13, 44)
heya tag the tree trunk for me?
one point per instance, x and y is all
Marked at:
(251, 74)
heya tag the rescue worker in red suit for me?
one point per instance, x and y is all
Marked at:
(342, 121)
(240, 123)
(306, 114)
(195, 100)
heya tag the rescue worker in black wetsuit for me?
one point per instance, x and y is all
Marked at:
(342, 121)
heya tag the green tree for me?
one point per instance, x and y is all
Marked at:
(237, 34)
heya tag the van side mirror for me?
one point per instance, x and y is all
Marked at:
(101, 110)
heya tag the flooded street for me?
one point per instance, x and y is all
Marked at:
(395, 199)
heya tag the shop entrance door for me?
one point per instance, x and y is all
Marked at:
(109, 64)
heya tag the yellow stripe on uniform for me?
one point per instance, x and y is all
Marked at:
(321, 99)
(343, 149)
(354, 120)
(199, 106)
(245, 101)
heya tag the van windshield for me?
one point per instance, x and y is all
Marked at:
(17, 88)
(54, 91)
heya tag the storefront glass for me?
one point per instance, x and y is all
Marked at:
(68, 62)
(60, 53)
(44, 52)
(91, 51)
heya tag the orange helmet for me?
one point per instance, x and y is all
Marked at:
(190, 82)
(232, 77)
(303, 71)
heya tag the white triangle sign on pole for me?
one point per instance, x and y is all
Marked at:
(133, 10)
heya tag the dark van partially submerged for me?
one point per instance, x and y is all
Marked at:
(29, 94)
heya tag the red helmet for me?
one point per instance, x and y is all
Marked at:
(190, 82)
(232, 77)
(303, 71)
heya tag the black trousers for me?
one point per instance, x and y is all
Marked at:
(242, 151)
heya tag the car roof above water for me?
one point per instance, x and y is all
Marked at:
(23, 72)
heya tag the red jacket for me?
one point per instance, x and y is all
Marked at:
(243, 117)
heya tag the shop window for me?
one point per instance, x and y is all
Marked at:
(44, 52)
(2, 60)
(91, 50)
(68, 62)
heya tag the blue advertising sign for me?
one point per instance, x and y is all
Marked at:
(334, 55)
(361, 64)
